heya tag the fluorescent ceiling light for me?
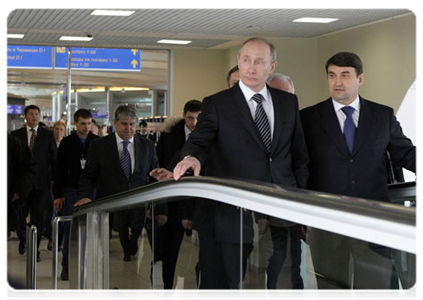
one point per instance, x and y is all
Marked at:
(127, 88)
(178, 42)
(118, 13)
(15, 36)
(76, 38)
(315, 20)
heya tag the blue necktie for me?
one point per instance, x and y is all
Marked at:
(125, 159)
(349, 127)
(262, 122)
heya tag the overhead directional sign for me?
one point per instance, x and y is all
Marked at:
(102, 59)
(29, 57)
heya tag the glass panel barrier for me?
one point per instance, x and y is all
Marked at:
(235, 238)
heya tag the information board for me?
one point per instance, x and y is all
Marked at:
(102, 59)
(28, 57)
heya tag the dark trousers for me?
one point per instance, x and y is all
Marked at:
(167, 242)
(71, 197)
(372, 266)
(34, 205)
(219, 263)
(280, 244)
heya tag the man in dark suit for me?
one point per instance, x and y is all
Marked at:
(169, 237)
(43, 146)
(257, 135)
(116, 163)
(347, 139)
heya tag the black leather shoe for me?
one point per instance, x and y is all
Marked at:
(50, 245)
(22, 247)
(65, 274)
(127, 257)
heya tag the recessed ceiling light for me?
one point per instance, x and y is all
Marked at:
(76, 38)
(118, 13)
(315, 20)
(178, 42)
(15, 36)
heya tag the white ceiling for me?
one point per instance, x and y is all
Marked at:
(207, 28)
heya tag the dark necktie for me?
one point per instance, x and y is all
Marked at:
(32, 139)
(262, 123)
(125, 159)
(349, 127)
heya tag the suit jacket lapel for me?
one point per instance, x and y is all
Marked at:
(279, 119)
(115, 159)
(365, 126)
(330, 123)
(241, 108)
(137, 153)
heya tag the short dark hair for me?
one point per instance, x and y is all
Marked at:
(143, 123)
(31, 107)
(231, 71)
(261, 40)
(82, 113)
(346, 59)
(192, 106)
(126, 111)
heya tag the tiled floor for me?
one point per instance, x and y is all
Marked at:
(136, 273)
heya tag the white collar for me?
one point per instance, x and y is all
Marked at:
(120, 140)
(29, 128)
(355, 104)
(249, 93)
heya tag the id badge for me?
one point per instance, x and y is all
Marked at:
(83, 163)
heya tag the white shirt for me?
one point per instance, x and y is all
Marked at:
(267, 103)
(29, 133)
(342, 116)
(130, 149)
(187, 132)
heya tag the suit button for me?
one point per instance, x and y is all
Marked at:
(352, 181)
(270, 159)
(351, 160)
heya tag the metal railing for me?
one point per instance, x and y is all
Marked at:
(56, 222)
(31, 258)
(383, 223)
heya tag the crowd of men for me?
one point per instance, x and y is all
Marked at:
(253, 130)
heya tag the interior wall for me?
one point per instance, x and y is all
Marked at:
(195, 74)
(388, 52)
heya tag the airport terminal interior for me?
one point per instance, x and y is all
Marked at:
(156, 60)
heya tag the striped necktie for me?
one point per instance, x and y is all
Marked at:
(125, 159)
(32, 139)
(349, 127)
(262, 122)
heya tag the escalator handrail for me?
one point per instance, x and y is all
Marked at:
(374, 221)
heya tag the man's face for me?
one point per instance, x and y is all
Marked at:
(343, 84)
(191, 119)
(32, 118)
(83, 127)
(125, 127)
(281, 85)
(255, 65)
(234, 78)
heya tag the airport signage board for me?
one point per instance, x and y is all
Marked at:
(29, 57)
(100, 59)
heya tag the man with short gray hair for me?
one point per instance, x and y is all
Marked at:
(116, 163)
(281, 82)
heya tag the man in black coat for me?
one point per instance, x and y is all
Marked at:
(257, 135)
(43, 146)
(169, 237)
(71, 159)
(348, 138)
(21, 172)
(116, 163)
